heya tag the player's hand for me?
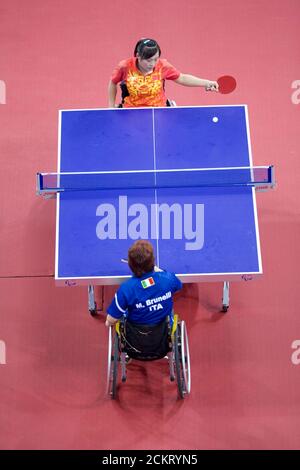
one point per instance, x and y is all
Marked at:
(211, 86)
(157, 269)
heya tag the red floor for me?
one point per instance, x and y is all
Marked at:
(52, 376)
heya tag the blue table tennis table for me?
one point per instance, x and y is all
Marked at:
(200, 233)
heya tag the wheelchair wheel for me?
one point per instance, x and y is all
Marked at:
(186, 365)
(182, 360)
(112, 363)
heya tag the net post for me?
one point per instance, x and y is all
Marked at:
(38, 184)
(272, 176)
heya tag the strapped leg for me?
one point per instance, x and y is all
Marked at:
(171, 360)
(123, 366)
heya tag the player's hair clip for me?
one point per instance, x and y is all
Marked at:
(145, 42)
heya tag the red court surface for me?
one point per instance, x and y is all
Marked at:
(245, 364)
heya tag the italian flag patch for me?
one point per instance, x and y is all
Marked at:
(148, 282)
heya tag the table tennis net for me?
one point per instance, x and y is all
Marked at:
(261, 177)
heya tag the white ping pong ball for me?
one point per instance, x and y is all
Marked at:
(215, 119)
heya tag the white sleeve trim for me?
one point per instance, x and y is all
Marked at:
(118, 306)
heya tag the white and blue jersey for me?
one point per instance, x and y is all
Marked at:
(146, 300)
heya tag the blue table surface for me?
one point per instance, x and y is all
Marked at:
(224, 239)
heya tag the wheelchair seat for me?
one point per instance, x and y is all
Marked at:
(145, 342)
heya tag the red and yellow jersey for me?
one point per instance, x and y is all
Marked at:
(144, 90)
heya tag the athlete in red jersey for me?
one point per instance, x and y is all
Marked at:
(143, 76)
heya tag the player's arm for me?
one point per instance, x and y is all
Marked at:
(191, 80)
(175, 282)
(110, 321)
(117, 308)
(112, 93)
(157, 269)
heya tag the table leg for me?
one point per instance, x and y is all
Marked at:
(225, 305)
(91, 300)
(95, 306)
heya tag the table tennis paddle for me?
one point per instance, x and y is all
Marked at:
(227, 84)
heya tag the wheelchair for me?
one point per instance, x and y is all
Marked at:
(148, 343)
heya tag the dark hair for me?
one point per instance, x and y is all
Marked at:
(146, 48)
(141, 257)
